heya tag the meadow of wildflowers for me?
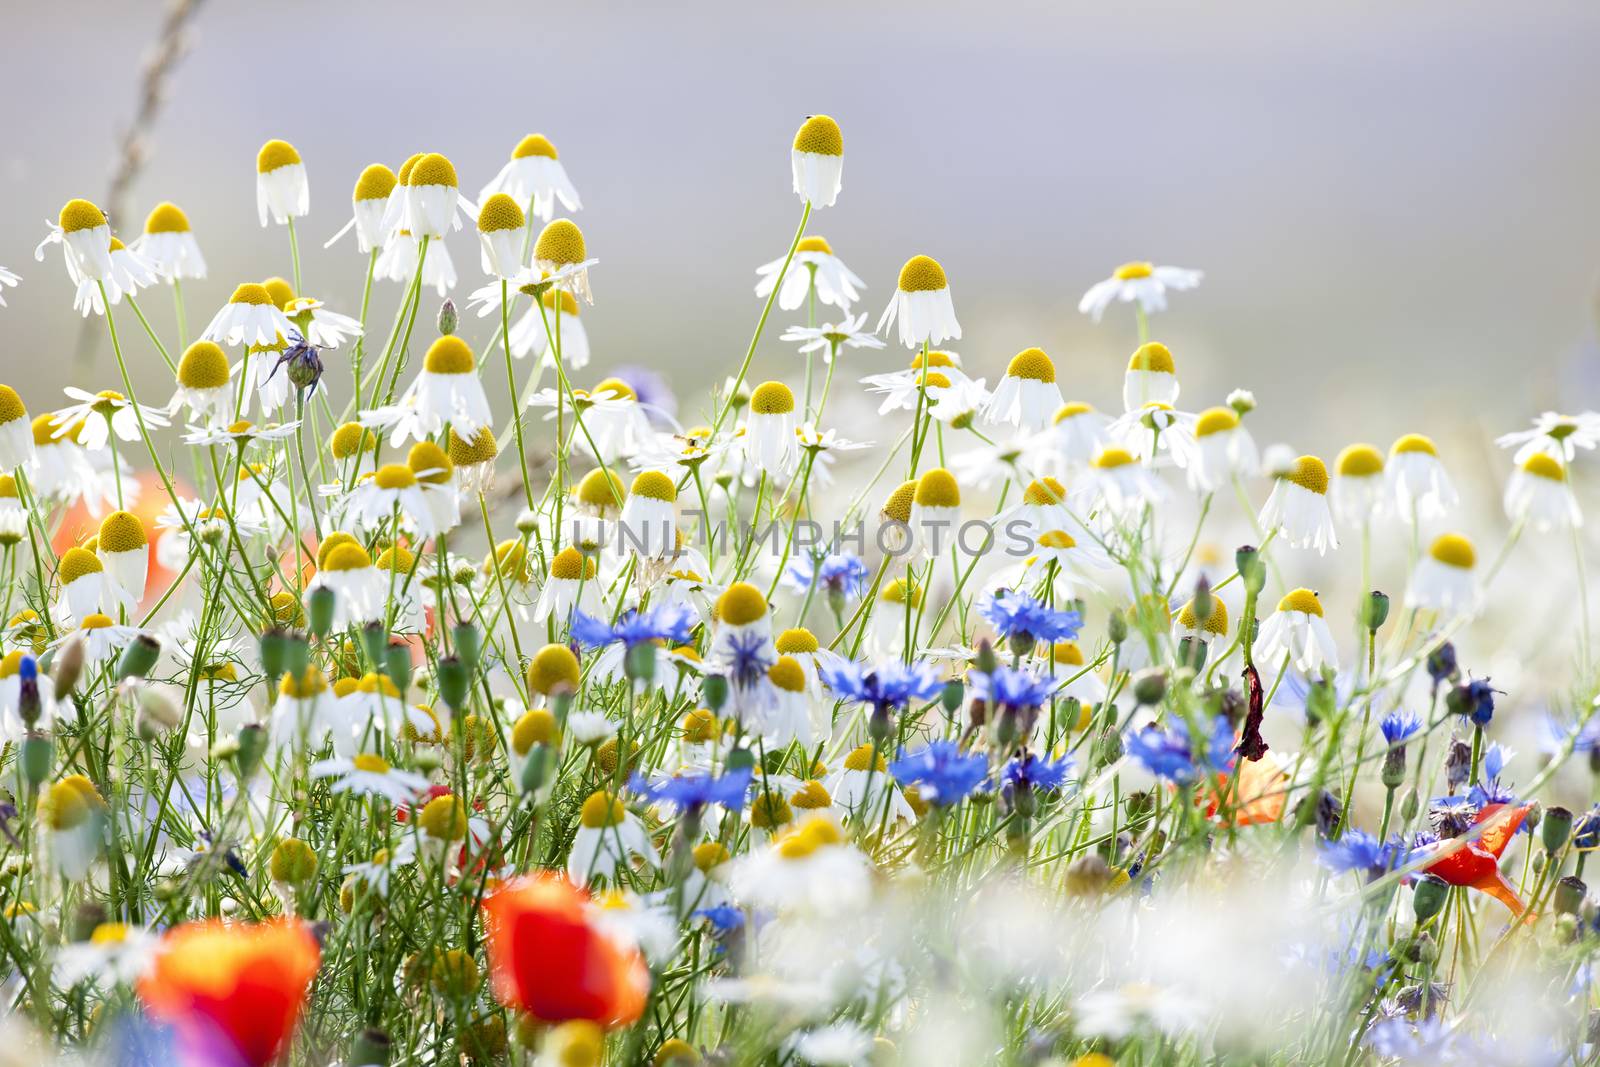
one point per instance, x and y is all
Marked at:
(411, 685)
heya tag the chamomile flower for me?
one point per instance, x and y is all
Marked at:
(1298, 631)
(84, 235)
(239, 433)
(922, 305)
(129, 273)
(935, 512)
(446, 390)
(1213, 626)
(1538, 494)
(830, 337)
(1143, 282)
(650, 515)
(85, 588)
(124, 550)
(788, 718)
(390, 496)
(814, 266)
(500, 226)
(435, 474)
(1223, 450)
(535, 177)
(203, 376)
(63, 470)
(397, 565)
(818, 161)
(1027, 395)
(1155, 428)
(168, 243)
(282, 191)
(1444, 579)
(898, 605)
(1151, 377)
(371, 774)
(863, 786)
(359, 590)
(769, 430)
(371, 196)
(1298, 506)
(1065, 663)
(536, 329)
(1360, 493)
(428, 201)
(1077, 432)
(1422, 489)
(571, 584)
(474, 458)
(608, 834)
(1117, 481)
(562, 255)
(73, 815)
(102, 414)
(16, 431)
(615, 422)
(304, 713)
(113, 954)
(102, 638)
(318, 324)
(366, 709)
(374, 874)
(810, 867)
(398, 262)
(1557, 435)
(250, 317)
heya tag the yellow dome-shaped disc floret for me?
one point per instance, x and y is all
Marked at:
(901, 592)
(1066, 654)
(1133, 271)
(11, 406)
(500, 212)
(166, 217)
(601, 488)
(1215, 623)
(1153, 356)
(203, 366)
(769, 809)
(897, 508)
(699, 727)
(560, 299)
(275, 154)
(8, 487)
(819, 134)
(1072, 409)
(308, 684)
(429, 463)
(1414, 442)
(922, 274)
(1215, 420)
(935, 358)
(553, 667)
(78, 214)
(375, 183)
(347, 557)
(331, 542)
(1057, 539)
(481, 449)
(394, 476)
(1032, 364)
(121, 531)
(938, 488)
(864, 757)
(571, 565)
(351, 438)
(432, 169)
(280, 290)
(286, 608)
(252, 293)
(1304, 601)
(619, 389)
(95, 621)
(655, 486)
(934, 380)
(561, 243)
(796, 640)
(70, 802)
(814, 243)
(1540, 465)
(449, 355)
(772, 398)
(1044, 491)
(1112, 458)
(788, 675)
(403, 174)
(741, 604)
(1311, 473)
(675, 1052)
(1359, 461)
(811, 796)
(444, 818)
(602, 809)
(536, 727)
(77, 562)
(396, 558)
(370, 762)
(535, 144)
(1454, 550)
(804, 840)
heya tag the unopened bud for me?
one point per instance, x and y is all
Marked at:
(139, 657)
(448, 318)
(37, 759)
(714, 690)
(252, 747)
(1428, 895)
(453, 681)
(1556, 829)
(1375, 610)
(1247, 561)
(1150, 685)
(1569, 894)
(68, 666)
(469, 644)
(319, 610)
(397, 665)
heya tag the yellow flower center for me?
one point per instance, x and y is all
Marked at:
(536, 727)
(500, 212)
(275, 154)
(1130, 271)
(204, 366)
(798, 639)
(938, 488)
(1032, 364)
(1454, 550)
(11, 407)
(121, 531)
(1414, 442)
(252, 293)
(561, 243)
(922, 274)
(77, 562)
(444, 818)
(655, 486)
(811, 796)
(449, 355)
(863, 757)
(768, 809)
(427, 456)
(349, 556)
(898, 507)
(80, 215)
(1215, 420)
(376, 183)
(1543, 466)
(1112, 458)
(571, 564)
(898, 592)
(1057, 539)
(166, 217)
(432, 169)
(787, 675)
(394, 476)
(741, 604)
(535, 144)
(772, 398)
(602, 809)
(307, 685)
(552, 667)
(1153, 356)
(814, 244)
(804, 840)
(820, 135)
(1359, 461)
(96, 621)
(1311, 473)
(370, 763)
(1044, 492)
(1301, 600)
(481, 449)
(1215, 623)
(709, 854)
(396, 558)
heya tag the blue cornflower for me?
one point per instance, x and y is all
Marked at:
(1586, 830)
(838, 574)
(1028, 772)
(1007, 688)
(694, 792)
(1430, 1041)
(1358, 850)
(1442, 664)
(1170, 753)
(669, 622)
(747, 657)
(1400, 726)
(943, 774)
(889, 686)
(1018, 616)
(1452, 816)
(1474, 699)
(723, 918)
(1489, 790)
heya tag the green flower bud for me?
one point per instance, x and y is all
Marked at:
(1428, 896)
(38, 758)
(1252, 572)
(714, 689)
(1557, 827)
(139, 657)
(449, 319)
(274, 651)
(1150, 685)
(453, 681)
(469, 644)
(951, 696)
(1569, 895)
(319, 610)
(252, 747)
(397, 665)
(1375, 610)
(371, 1048)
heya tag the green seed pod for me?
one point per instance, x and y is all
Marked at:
(714, 688)
(397, 665)
(1375, 611)
(274, 651)
(1428, 897)
(139, 657)
(1569, 895)
(449, 318)
(319, 610)
(469, 644)
(453, 681)
(371, 1048)
(252, 747)
(1556, 828)
(38, 758)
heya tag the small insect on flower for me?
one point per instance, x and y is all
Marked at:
(169, 245)
(1298, 507)
(282, 190)
(1539, 494)
(1139, 281)
(535, 177)
(1444, 579)
(818, 161)
(1422, 489)
(1298, 631)
(922, 305)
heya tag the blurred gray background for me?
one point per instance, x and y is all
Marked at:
(1394, 204)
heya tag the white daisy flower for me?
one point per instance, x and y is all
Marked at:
(535, 176)
(1027, 394)
(500, 237)
(1298, 506)
(129, 273)
(1077, 433)
(1143, 282)
(368, 202)
(1422, 489)
(168, 243)
(922, 305)
(608, 834)
(447, 390)
(391, 496)
(319, 325)
(571, 585)
(1156, 428)
(863, 787)
(935, 512)
(1559, 436)
(435, 473)
(561, 256)
(1444, 580)
(250, 317)
(1151, 377)
(833, 337)
(811, 868)
(1360, 493)
(813, 266)
(374, 874)
(16, 431)
(1116, 480)
(369, 773)
(1538, 494)
(1223, 450)
(769, 430)
(649, 515)
(73, 815)
(282, 191)
(124, 550)
(62, 469)
(85, 238)
(102, 414)
(366, 709)
(614, 422)
(304, 715)
(398, 262)
(818, 161)
(113, 954)
(1299, 631)
(85, 588)
(788, 719)
(429, 198)
(203, 377)
(359, 590)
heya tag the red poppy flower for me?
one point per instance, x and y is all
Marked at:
(1477, 864)
(1255, 794)
(242, 985)
(549, 959)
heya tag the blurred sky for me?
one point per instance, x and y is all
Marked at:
(1394, 204)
